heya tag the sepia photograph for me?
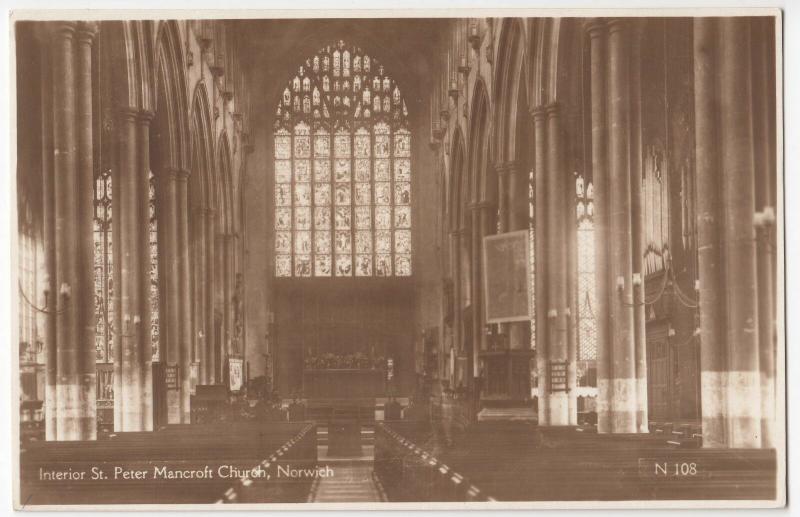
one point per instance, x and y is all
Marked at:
(441, 259)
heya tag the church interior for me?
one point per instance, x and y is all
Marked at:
(398, 259)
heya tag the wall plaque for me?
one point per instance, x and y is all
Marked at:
(171, 376)
(558, 376)
(236, 374)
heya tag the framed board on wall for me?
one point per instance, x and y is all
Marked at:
(506, 277)
(235, 374)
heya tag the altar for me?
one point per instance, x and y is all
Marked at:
(344, 383)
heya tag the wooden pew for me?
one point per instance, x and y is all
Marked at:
(518, 461)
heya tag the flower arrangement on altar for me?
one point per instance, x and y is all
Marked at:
(354, 361)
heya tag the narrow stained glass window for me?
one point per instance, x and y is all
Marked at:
(342, 191)
(103, 268)
(153, 240)
(587, 341)
(105, 329)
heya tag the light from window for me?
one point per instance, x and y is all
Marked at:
(587, 339)
(342, 170)
(104, 269)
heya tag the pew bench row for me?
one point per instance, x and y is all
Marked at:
(521, 462)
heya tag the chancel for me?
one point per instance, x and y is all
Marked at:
(398, 260)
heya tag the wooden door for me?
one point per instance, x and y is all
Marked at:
(219, 367)
(658, 373)
(159, 395)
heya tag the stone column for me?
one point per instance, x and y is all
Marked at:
(598, 35)
(765, 187)
(85, 224)
(477, 293)
(128, 253)
(210, 279)
(71, 365)
(186, 339)
(467, 294)
(68, 386)
(171, 342)
(231, 242)
(501, 170)
(518, 332)
(738, 202)
(227, 291)
(200, 297)
(637, 233)
(713, 353)
(557, 309)
(49, 231)
(502, 200)
(623, 363)
(132, 344)
(126, 349)
(455, 257)
(145, 365)
(541, 231)
(486, 209)
(731, 384)
(573, 126)
(221, 300)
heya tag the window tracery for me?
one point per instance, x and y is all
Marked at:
(585, 247)
(342, 170)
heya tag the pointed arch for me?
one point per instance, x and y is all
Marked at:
(342, 169)
(202, 145)
(458, 161)
(171, 105)
(479, 145)
(510, 87)
(224, 187)
(130, 75)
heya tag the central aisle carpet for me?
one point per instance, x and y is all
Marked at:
(353, 479)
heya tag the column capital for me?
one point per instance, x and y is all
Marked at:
(512, 167)
(130, 113)
(86, 31)
(553, 109)
(484, 205)
(176, 174)
(595, 27)
(63, 28)
(539, 112)
(145, 116)
(617, 24)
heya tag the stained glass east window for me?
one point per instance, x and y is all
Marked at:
(342, 170)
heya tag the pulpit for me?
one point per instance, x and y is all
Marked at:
(210, 404)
